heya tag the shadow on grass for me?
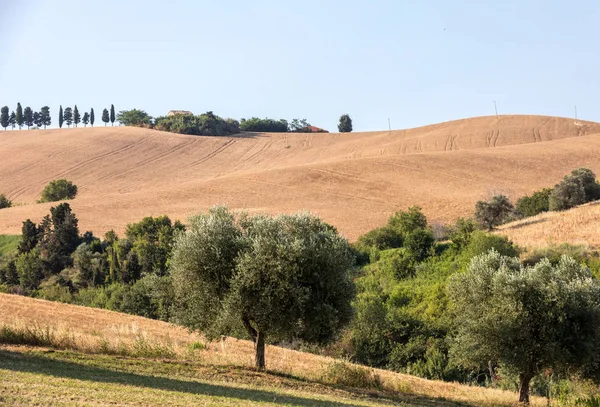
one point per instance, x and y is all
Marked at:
(40, 364)
(526, 223)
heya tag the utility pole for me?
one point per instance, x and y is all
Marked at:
(496, 109)
(389, 125)
(575, 112)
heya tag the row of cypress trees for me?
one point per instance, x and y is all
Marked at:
(68, 116)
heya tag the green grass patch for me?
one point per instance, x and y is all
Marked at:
(66, 378)
(8, 244)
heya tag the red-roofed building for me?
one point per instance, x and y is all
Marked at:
(315, 129)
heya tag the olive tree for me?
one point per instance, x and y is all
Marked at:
(272, 279)
(494, 212)
(527, 318)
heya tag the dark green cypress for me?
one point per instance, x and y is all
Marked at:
(28, 117)
(92, 117)
(20, 118)
(46, 119)
(112, 115)
(4, 117)
(105, 117)
(76, 116)
(60, 117)
(12, 119)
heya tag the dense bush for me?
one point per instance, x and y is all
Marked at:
(59, 190)
(5, 202)
(264, 125)
(206, 124)
(134, 117)
(494, 212)
(345, 125)
(535, 204)
(575, 189)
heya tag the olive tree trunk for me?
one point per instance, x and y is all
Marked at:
(259, 347)
(258, 337)
(524, 380)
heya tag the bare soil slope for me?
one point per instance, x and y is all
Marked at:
(353, 180)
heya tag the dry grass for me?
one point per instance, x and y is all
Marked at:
(100, 331)
(576, 226)
(354, 181)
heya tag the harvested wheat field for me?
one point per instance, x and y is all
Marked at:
(577, 226)
(159, 363)
(352, 180)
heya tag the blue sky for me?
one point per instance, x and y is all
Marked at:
(414, 62)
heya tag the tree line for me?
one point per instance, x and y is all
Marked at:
(70, 116)
(205, 124)
(209, 124)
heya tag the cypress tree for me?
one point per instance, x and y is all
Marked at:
(76, 116)
(28, 117)
(37, 119)
(45, 116)
(4, 117)
(92, 117)
(19, 115)
(60, 117)
(112, 115)
(12, 119)
(68, 116)
(86, 119)
(105, 117)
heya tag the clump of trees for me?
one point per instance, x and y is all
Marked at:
(282, 278)
(27, 117)
(59, 190)
(134, 117)
(345, 125)
(5, 202)
(264, 125)
(575, 189)
(206, 124)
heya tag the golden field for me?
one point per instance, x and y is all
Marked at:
(352, 180)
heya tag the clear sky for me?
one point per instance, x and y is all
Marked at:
(414, 62)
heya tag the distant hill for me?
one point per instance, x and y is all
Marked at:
(353, 180)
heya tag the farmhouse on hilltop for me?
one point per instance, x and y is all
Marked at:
(315, 129)
(174, 112)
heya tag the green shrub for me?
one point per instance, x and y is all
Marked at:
(419, 243)
(206, 124)
(59, 190)
(461, 232)
(575, 189)
(494, 212)
(397, 262)
(535, 204)
(567, 194)
(341, 373)
(407, 221)
(481, 243)
(134, 117)
(382, 238)
(264, 125)
(5, 202)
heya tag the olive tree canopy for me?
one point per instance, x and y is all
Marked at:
(526, 318)
(274, 278)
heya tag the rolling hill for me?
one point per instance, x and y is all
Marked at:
(88, 356)
(353, 180)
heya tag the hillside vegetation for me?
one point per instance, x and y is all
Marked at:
(161, 364)
(353, 180)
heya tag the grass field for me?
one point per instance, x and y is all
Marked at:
(95, 357)
(8, 244)
(352, 180)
